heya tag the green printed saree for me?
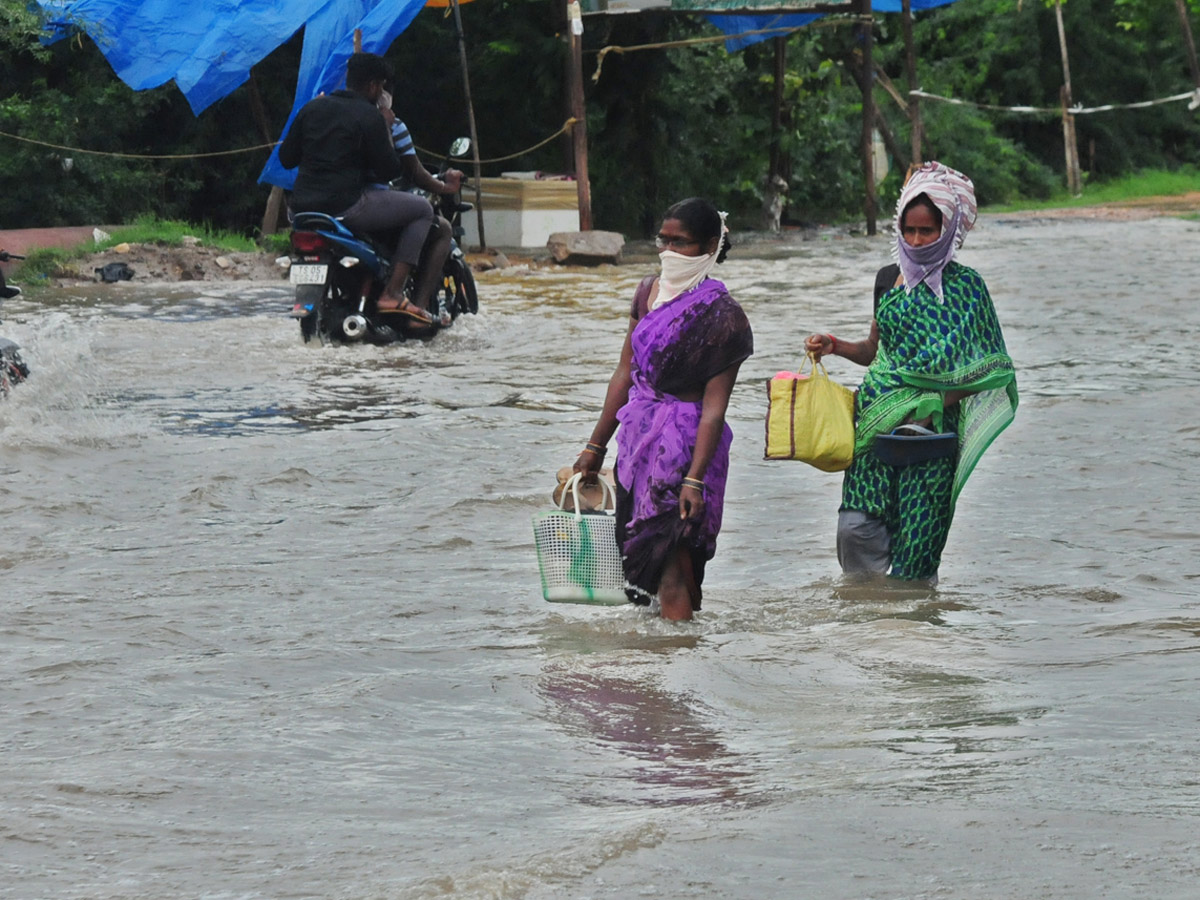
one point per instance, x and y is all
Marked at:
(928, 347)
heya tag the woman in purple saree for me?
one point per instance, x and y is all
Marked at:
(687, 338)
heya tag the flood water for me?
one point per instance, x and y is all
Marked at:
(272, 625)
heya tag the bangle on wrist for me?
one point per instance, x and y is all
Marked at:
(596, 449)
(832, 343)
(693, 483)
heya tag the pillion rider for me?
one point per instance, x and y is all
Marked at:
(437, 246)
(340, 144)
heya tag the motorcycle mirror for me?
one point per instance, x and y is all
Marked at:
(460, 147)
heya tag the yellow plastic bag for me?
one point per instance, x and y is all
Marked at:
(810, 418)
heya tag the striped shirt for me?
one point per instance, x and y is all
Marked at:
(402, 140)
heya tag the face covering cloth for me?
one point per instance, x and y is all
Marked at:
(681, 273)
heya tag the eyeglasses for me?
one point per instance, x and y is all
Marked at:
(663, 241)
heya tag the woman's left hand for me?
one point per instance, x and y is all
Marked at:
(691, 504)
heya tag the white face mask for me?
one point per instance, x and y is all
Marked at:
(681, 273)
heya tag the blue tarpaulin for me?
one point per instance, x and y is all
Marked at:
(739, 25)
(743, 26)
(209, 46)
(328, 45)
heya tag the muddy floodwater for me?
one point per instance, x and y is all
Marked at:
(272, 627)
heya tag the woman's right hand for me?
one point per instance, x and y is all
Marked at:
(588, 463)
(819, 345)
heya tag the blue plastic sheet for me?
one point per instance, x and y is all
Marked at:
(209, 46)
(206, 47)
(327, 49)
(739, 25)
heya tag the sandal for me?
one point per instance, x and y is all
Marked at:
(405, 307)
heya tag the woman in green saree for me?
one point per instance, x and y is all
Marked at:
(937, 363)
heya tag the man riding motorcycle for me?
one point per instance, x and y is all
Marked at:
(341, 145)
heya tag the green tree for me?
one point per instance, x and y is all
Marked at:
(1006, 53)
(662, 123)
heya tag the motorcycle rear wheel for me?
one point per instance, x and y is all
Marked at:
(339, 298)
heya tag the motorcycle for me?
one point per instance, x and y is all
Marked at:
(339, 276)
(13, 369)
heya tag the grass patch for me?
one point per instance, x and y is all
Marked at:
(278, 244)
(151, 230)
(40, 264)
(1154, 183)
(45, 263)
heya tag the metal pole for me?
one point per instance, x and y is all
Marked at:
(462, 55)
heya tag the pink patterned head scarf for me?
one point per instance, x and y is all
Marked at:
(953, 194)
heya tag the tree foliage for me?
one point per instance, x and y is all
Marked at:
(662, 123)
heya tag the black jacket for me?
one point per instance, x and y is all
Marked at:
(341, 143)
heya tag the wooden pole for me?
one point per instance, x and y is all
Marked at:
(1071, 148)
(1189, 42)
(462, 56)
(583, 187)
(271, 215)
(910, 66)
(273, 212)
(780, 73)
(868, 120)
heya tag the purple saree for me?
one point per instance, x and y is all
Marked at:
(677, 348)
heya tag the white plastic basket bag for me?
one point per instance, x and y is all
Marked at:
(577, 552)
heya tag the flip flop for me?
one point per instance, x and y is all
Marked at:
(406, 308)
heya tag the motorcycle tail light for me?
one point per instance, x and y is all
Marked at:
(309, 242)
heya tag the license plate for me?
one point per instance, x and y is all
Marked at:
(308, 274)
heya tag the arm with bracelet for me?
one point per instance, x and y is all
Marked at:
(714, 405)
(591, 458)
(861, 352)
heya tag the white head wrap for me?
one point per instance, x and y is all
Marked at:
(953, 194)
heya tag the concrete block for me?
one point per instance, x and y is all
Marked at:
(586, 248)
